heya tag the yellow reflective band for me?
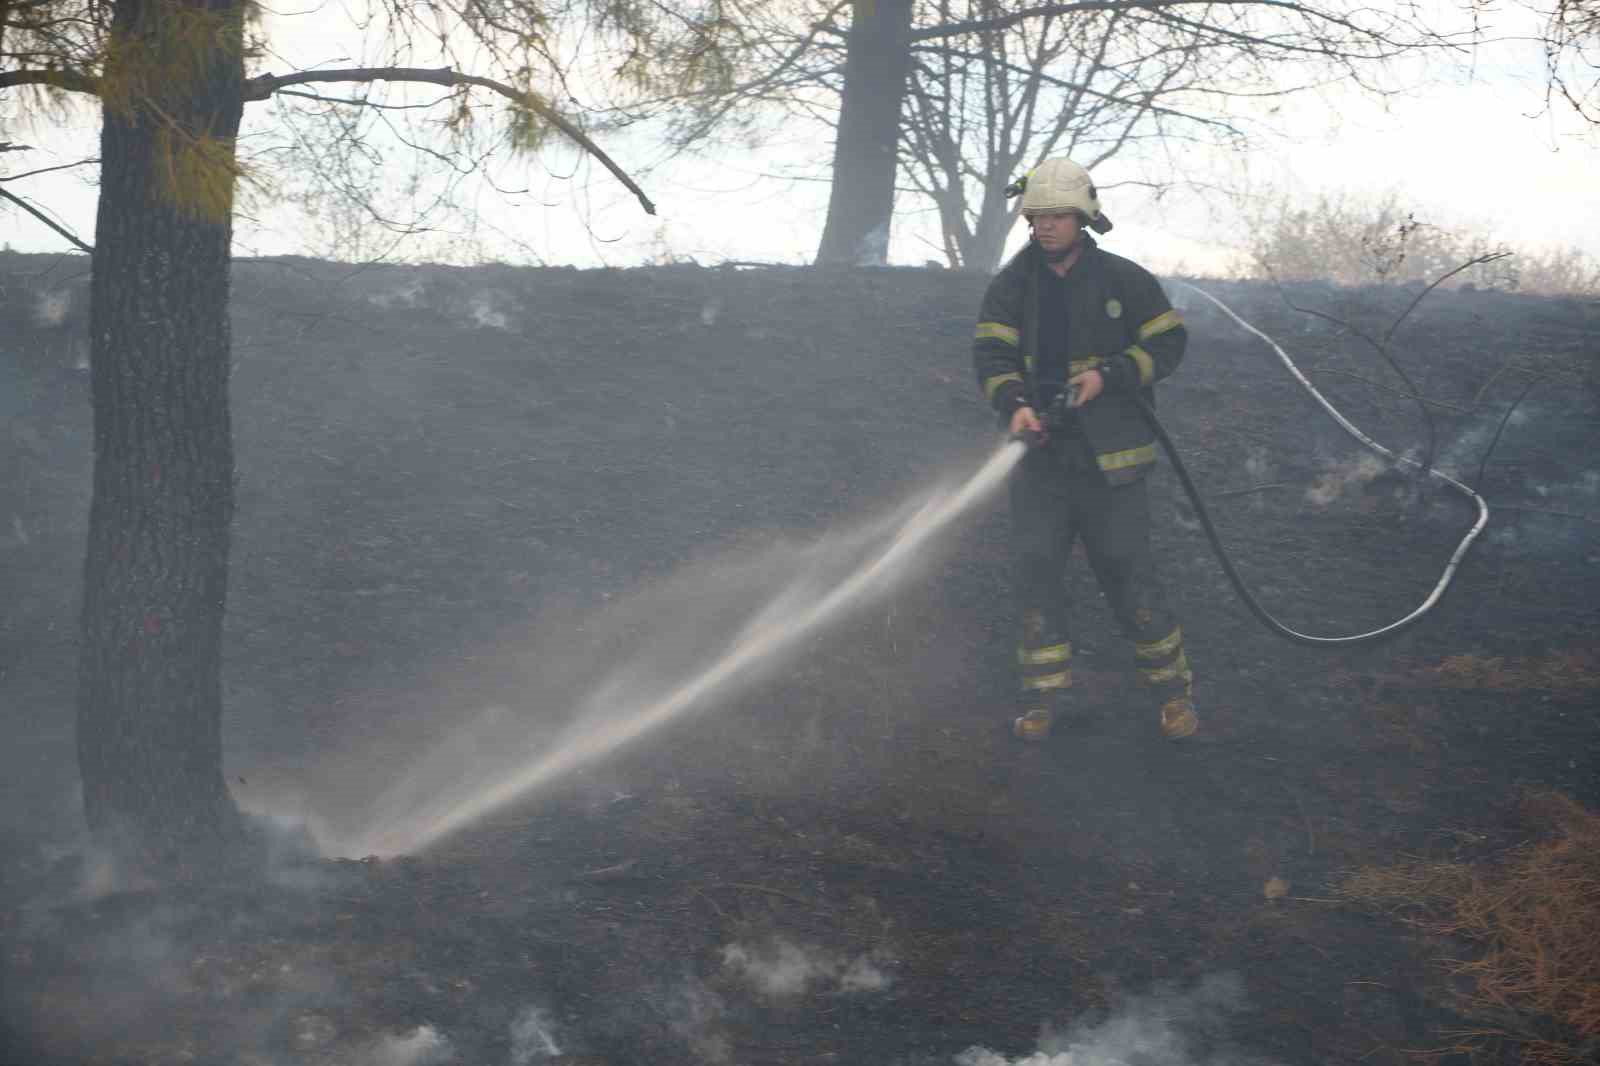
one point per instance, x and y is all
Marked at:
(1048, 681)
(1160, 649)
(1145, 453)
(1165, 322)
(1027, 361)
(992, 385)
(1179, 669)
(1000, 332)
(1055, 653)
(1146, 365)
(1079, 366)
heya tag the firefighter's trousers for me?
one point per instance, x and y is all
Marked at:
(1057, 498)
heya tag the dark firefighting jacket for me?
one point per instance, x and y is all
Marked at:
(1118, 322)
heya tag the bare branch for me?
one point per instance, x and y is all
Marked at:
(264, 86)
(43, 170)
(42, 217)
(68, 80)
(1479, 260)
(1157, 8)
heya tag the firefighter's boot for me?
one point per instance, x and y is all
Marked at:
(1178, 718)
(1164, 669)
(1044, 658)
(1033, 725)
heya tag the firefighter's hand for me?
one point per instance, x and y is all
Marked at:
(1025, 424)
(1090, 383)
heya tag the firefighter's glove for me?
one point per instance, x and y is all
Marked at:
(1090, 383)
(1026, 427)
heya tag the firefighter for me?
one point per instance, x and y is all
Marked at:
(1065, 314)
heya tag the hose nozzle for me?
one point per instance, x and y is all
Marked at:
(1052, 418)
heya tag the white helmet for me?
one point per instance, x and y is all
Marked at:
(1062, 185)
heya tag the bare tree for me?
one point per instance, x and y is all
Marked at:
(1572, 55)
(172, 80)
(919, 75)
(980, 110)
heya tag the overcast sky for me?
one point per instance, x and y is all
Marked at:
(1473, 149)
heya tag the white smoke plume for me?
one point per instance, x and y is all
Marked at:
(780, 969)
(423, 1046)
(1343, 477)
(862, 974)
(533, 1038)
(51, 307)
(695, 1013)
(483, 312)
(407, 295)
(1163, 1029)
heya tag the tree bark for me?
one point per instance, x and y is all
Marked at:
(982, 248)
(865, 156)
(155, 570)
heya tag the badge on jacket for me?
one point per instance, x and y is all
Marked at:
(1114, 308)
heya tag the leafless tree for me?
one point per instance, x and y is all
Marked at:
(920, 83)
(1572, 55)
(981, 110)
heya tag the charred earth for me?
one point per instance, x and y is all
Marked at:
(469, 499)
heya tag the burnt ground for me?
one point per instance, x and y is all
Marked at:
(463, 490)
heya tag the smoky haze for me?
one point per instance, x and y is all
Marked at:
(480, 510)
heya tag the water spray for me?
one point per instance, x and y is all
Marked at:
(802, 610)
(794, 615)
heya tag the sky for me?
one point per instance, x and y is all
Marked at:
(1472, 148)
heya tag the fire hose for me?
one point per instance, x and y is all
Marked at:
(1067, 398)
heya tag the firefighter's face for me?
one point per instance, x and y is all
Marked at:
(1057, 231)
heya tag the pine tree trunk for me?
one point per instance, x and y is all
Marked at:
(865, 152)
(155, 572)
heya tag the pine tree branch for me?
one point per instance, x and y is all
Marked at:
(263, 86)
(70, 80)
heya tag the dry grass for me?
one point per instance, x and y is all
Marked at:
(1571, 671)
(1351, 239)
(1529, 986)
(1567, 673)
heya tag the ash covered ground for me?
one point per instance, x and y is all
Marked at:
(472, 500)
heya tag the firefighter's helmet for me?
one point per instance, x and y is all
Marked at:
(1062, 185)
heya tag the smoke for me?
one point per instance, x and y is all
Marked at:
(532, 1037)
(695, 1014)
(781, 970)
(482, 310)
(146, 963)
(407, 295)
(51, 308)
(1164, 1029)
(423, 1046)
(712, 632)
(1258, 464)
(1345, 477)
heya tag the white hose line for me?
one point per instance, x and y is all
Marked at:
(1350, 428)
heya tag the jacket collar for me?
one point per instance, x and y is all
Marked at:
(1032, 258)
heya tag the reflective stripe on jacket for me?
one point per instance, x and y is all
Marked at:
(1119, 321)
